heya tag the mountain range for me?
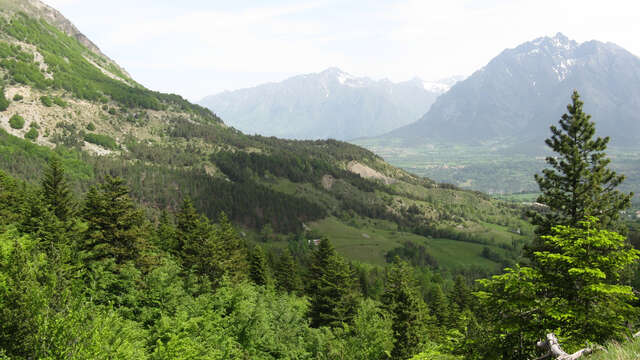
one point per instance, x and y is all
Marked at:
(329, 104)
(520, 92)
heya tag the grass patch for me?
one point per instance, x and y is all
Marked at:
(615, 351)
(368, 241)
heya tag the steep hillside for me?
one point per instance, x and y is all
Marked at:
(329, 104)
(63, 99)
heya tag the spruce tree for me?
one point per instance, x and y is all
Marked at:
(579, 182)
(55, 191)
(408, 311)
(232, 251)
(114, 222)
(286, 273)
(258, 268)
(332, 296)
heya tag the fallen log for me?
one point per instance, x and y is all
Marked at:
(552, 345)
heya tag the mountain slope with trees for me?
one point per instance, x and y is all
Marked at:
(100, 122)
(173, 236)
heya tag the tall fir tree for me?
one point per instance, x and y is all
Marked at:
(579, 182)
(332, 288)
(232, 254)
(409, 312)
(56, 192)
(114, 223)
(258, 267)
(287, 274)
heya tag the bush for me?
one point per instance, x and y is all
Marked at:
(16, 121)
(46, 101)
(58, 101)
(32, 134)
(91, 127)
(102, 140)
(4, 102)
(17, 97)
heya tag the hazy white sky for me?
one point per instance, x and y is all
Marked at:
(200, 47)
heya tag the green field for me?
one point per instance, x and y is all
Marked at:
(493, 169)
(368, 241)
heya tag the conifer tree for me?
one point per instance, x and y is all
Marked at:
(114, 222)
(56, 193)
(579, 182)
(232, 251)
(332, 296)
(166, 233)
(408, 310)
(461, 295)
(439, 305)
(287, 273)
(258, 268)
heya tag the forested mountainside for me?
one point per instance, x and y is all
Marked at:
(56, 94)
(135, 225)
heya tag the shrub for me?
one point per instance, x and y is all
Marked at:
(58, 101)
(16, 121)
(4, 102)
(34, 125)
(17, 97)
(102, 140)
(32, 134)
(46, 101)
(91, 127)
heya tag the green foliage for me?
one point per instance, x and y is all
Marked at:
(258, 268)
(210, 250)
(105, 141)
(72, 72)
(287, 273)
(58, 101)
(4, 102)
(579, 182)
(18, 97)
(619, 351)
(583, 270)
(91, 127)
(56, 192)
(575, 291)
(114, 224)
(408, 312)
(46, 101)
(16, 121)
(331, 288)
(370, 337)
(32, 134)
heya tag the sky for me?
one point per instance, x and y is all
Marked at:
(197, 48)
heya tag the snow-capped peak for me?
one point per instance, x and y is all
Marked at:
(559, 41)
(441, 86)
